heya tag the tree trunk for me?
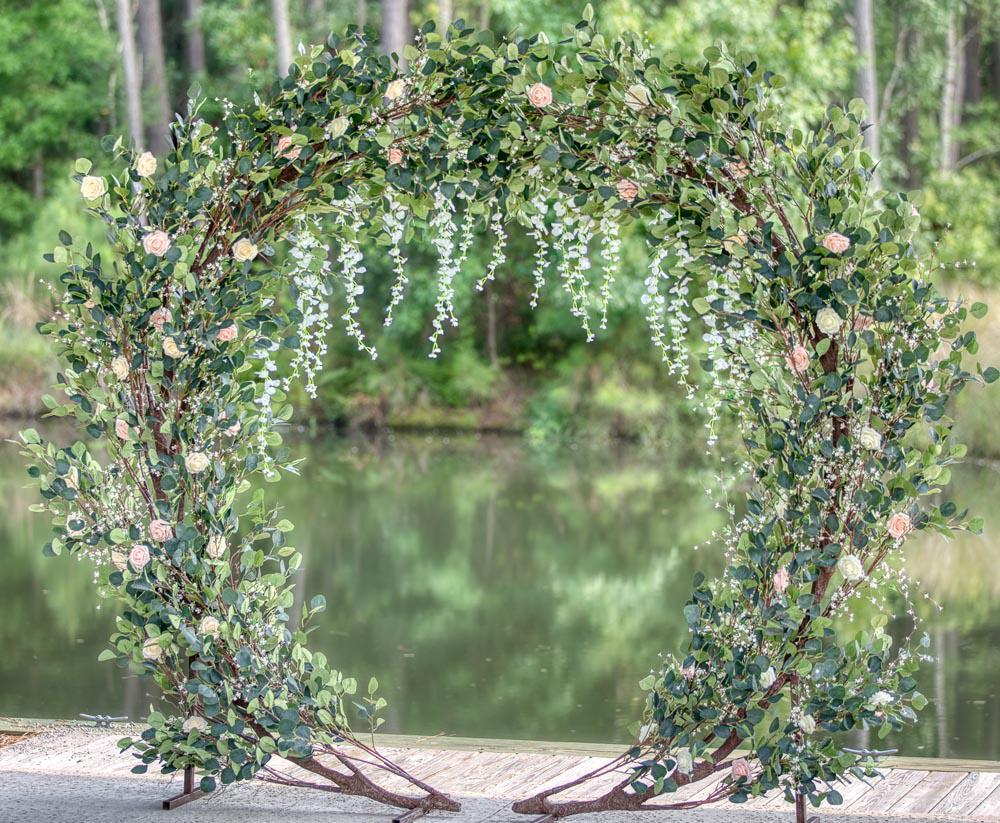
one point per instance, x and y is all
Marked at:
(972, 86)
(282, 35)
(316, 10)
(485, 12)
(38, 175)
(491, 327)
(395, 28)
(154, 75)
(133, 95)
(951, 96)
(910, 132)
(195, 43)
(446, 11)
(867, 79)
(362, 13)
(995, 68)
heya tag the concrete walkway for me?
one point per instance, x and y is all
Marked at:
(75, 775)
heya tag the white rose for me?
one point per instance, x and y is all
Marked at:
(637, 97)
(195, 724)
(171, 349)
(120, 367)
(145, 164)
(767, 678)
(395, 90)
(216, 547)
(685, 763)
(93, 188)
(807, 723)
(244, 249)
(196, 462)
(880, 698)
(870, 439)
(828, 321)
(151, 649)
(336, 128)
(851, 567)
(209, 626)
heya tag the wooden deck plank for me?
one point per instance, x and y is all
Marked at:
(970, 792)
(989, 809)
(887, 792)
(922, 797)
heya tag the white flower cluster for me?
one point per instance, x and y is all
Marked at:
(611, 249)
(539, 233)
(394, 216)
(443, 230)
(573, 231)
(351, 268)
(310, 274)
(499, 256)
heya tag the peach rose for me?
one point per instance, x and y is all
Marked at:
(394, 155)
(539, 95)
(119, 560)
(228, 333)
(122, 429)
(287, 149)
(836, 243)
(139, 556)
(161, 317)
(898, 525)
(781, 580)
(798, 360)
(628, 190)
(156, 243)
(740, 769)
(160, 531)
(738, 169)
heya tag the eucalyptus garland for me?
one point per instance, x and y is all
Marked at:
(822, 336)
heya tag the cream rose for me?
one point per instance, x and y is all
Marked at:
(160, 531)
(395, 90)
(828, 321)
(880, 698)
(798, 360)
(870, 439)
(93, 188)
(628, 190)
(209, 626)
(119, 365)
(807, 723)
(195, 724)
(151, 649)
(145, 164)
(244, 249)
(139, 556)
(196, 462)
(228, 333)
(836, 243)
(394, 156)
(539, 95)
(781, 580)
(851, 567)
(685, 763)
(119, 560)
(156, 243)
(768, 678)
(637, 97)
(898, 525)
(336, 128)
(216, 547)
(160, 318)
(122, 429)
(171, 349)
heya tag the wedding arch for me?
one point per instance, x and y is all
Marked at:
(822, 337)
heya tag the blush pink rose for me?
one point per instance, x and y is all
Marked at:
(740, 769)
(156, 243)
(228, 334)
(836, 243)
(139, 556)
(160, 318)
(160, 531)
(738, 169)
(539, 95)
(688, 672)
(898, 525)
(394, 156)
(862, 322)
(798, 360)
(628, 190)
(287, 150)
(122, 429)
(781, 580)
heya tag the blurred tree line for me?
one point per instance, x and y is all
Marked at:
(72, 71)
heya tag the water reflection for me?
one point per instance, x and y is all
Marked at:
(495, 592)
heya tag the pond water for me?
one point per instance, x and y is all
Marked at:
(495, 591)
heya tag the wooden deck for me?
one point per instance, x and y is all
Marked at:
(500, 769)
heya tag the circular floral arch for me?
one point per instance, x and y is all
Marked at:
(824, 340)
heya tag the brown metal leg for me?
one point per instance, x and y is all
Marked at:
(800, 810)
(190, 792)
(410, 816)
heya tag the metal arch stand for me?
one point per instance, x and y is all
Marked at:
(190, 792)
(800, 810)
(411, 815)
